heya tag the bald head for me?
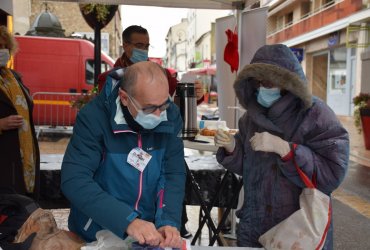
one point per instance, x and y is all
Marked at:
(146, 83)
(144, 75)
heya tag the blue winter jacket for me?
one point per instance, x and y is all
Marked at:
(272, 186)
(104, 190)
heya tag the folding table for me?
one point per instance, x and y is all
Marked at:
(207, 206)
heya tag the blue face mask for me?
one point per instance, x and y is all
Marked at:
(150, 121)
(268, 96)
(139, 55)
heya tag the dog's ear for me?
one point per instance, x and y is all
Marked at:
(41, 222)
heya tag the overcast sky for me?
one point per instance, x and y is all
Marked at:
(156, 20)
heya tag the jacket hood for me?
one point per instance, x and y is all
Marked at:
(276, 64)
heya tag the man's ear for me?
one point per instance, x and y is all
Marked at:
(124, 45)
(123, 96)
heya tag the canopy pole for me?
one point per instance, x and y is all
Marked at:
(97, 53)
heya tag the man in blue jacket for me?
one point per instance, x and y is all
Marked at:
(124, 166)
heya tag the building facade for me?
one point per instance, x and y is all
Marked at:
(24, 12)
(191, 44)
(176, 41)
(332, 37)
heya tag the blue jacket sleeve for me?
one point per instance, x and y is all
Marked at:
(323, 151)
(174, 174)
(80, 162)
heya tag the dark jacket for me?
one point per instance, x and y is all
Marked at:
(104, 190)
(11, 164)
(272, 186)
(124, 62)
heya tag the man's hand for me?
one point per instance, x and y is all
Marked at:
(269, 143)
(11, 122)
(225, 139)
(144, 232)
(199, 89)
(171, 237)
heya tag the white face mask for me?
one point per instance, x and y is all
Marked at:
(4, 57)
(150, 121)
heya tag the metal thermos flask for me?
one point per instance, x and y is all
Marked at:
(186, 100)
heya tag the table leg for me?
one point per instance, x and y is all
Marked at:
(226, 213)
(203, 206)
(204, 219)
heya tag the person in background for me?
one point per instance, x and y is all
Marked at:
(283, 121)
(19, 150)
(123, 169)
(135, 44)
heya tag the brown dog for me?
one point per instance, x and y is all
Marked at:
(48, 235)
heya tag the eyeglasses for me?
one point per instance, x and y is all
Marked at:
(142, 46)
(150, 109)
(266, 84)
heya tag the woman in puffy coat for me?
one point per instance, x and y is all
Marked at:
(282, 121)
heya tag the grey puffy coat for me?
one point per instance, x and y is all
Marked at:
(271, 186)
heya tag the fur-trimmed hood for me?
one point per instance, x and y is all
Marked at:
(276, 64)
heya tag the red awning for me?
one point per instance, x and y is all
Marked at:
(211, 70)
(172, 71)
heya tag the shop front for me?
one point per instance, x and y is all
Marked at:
(333, 74)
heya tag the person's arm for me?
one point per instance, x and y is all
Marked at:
(233, 161)
(81, 161)
(199, 91)
(324, 153)
(169, 207)
(172, 83)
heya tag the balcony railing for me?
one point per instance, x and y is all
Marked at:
(306, 16)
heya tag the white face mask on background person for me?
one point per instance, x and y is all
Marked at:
(4, 57)
(139, 55)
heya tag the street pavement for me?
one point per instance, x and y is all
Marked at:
(351, 229)
(351, 201)
(351, 210)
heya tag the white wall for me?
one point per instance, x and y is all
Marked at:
(199, 23)
(204, 47)
(21, 13)
(176, 46)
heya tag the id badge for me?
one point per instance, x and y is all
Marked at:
(138, 158)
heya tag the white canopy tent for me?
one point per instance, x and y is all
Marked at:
(192, 4)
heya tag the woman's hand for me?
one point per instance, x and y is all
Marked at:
(267, 142)
(11, 122)
(225, 139)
